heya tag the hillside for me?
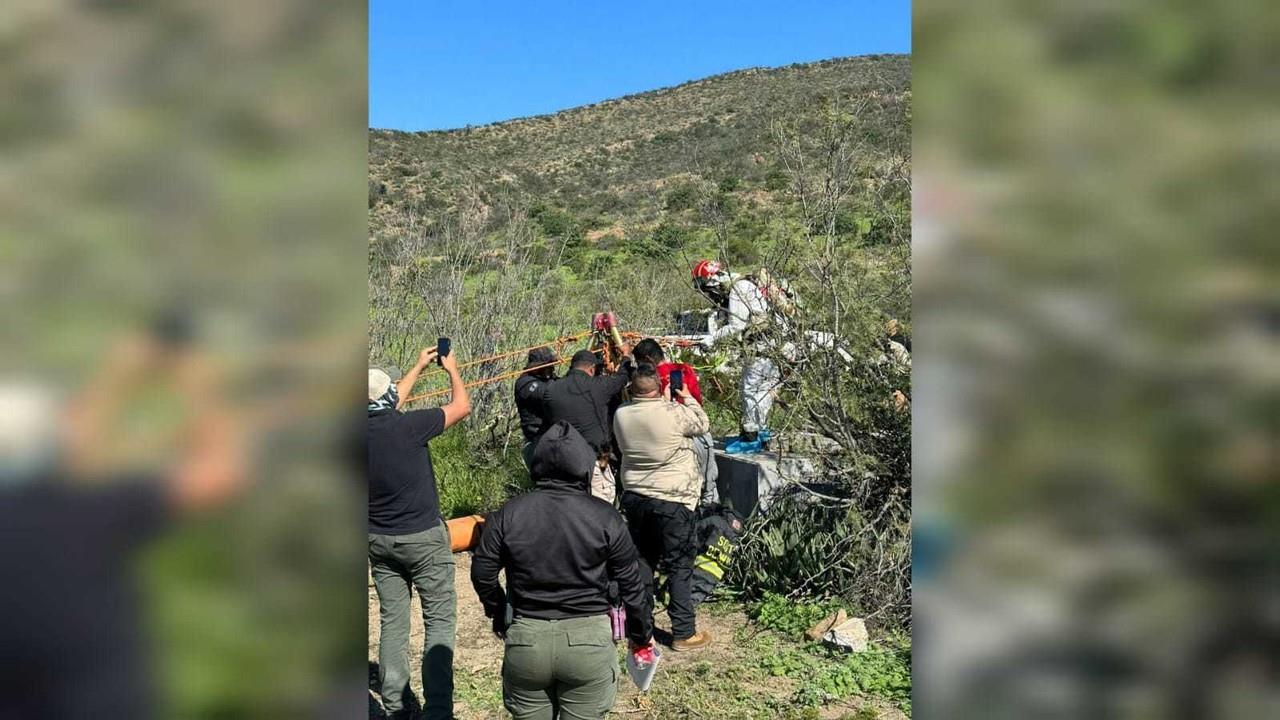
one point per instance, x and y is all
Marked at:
(509, 235)
(610, 166)
(514, 233)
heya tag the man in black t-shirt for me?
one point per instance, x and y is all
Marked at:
(72, 525)
(408, 540)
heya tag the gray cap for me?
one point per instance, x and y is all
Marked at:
(379, 383)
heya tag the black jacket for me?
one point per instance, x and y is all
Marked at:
(583, 401)
(559, 545)
(529, 389)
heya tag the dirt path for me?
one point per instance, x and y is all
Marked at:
(478, 662)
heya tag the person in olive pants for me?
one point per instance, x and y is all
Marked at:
(560, 548)
(574, 656)
(424, 561)
(408, 540)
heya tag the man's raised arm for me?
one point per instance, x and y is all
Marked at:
(459, 405)
(405, 386)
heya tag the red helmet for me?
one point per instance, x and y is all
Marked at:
(706, 270)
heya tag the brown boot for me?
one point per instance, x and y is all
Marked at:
(700, 639)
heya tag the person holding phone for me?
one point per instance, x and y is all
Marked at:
(408, 540)
(662, 486)
(76, 519)
(676, 376)
(649, 351)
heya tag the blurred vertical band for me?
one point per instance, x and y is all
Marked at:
(182, 282)
(1096, 342)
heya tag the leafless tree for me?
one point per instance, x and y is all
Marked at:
(839, 380)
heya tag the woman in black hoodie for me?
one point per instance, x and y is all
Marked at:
(560, 547)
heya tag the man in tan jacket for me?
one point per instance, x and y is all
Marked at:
(662, 486)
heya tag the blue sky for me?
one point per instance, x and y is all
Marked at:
(436, 65)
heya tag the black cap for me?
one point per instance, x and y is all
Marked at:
(648, 350)
(582, 357)
(540, 356)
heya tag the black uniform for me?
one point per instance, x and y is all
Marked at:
(584, 402)
(559, 545)
(529, 389)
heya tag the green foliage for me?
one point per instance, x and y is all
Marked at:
(883, 670)
(596, 159)
(740, 251)
(474, 477)
(791, 619)
(745, 685)
(878, 671)
(792, 544)
(670, 236)
(478, 693)
(682, 197)
(555, 222)
(852, 222)
(791, 662)
(776, 180)
(725, 204)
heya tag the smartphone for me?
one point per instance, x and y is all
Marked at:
(442, 349)
(677, 382)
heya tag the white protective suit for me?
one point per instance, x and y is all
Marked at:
(760, 376)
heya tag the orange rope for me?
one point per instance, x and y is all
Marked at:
(673, 341)
(559, 343)
(562, 340)
(486, 381)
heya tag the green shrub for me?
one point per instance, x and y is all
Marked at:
(555, 222)
(669, 236)
(683, 197)
(881, 671)
(850, 222)
(472, 478)
(796, 545)
(777, 179)
(790, 618)
(725, 204)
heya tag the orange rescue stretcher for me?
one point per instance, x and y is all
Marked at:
(464, 532)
